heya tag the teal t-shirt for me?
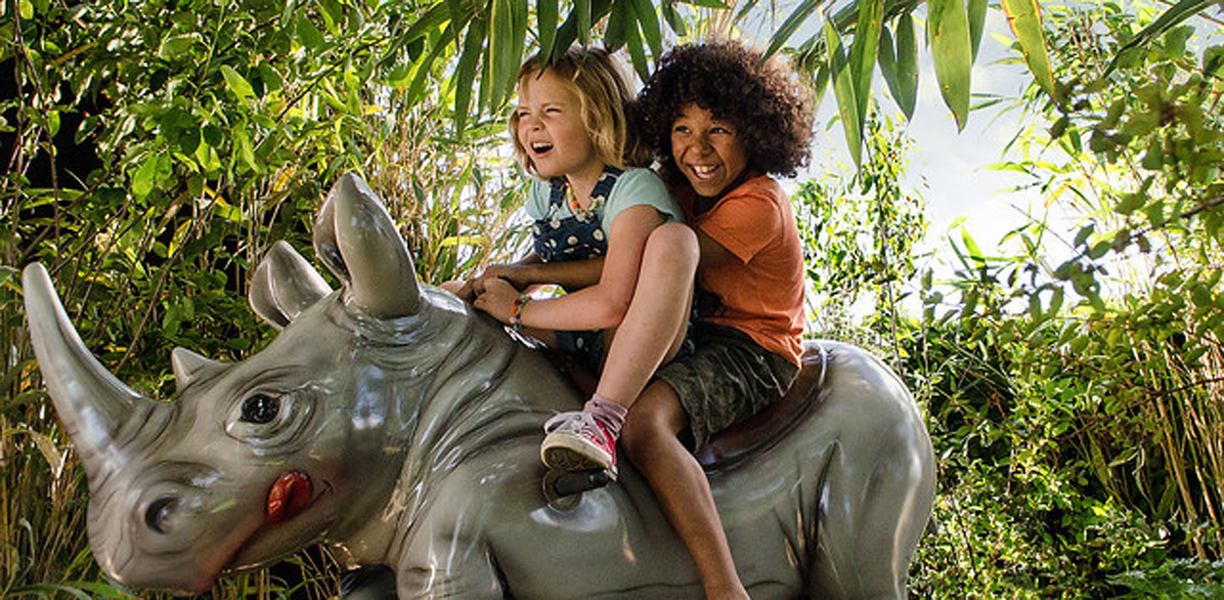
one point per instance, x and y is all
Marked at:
(635, 186)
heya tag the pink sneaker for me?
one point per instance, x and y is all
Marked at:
(577, 442)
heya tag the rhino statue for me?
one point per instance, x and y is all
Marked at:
(391, 422)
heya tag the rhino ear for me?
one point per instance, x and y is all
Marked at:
(189, 367)
(358, 241)
(284, 285)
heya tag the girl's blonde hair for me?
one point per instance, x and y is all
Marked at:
(606, 101)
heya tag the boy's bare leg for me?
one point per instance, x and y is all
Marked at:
(650, 440)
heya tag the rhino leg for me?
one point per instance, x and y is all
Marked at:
(368, 583)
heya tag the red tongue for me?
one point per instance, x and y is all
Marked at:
(288, 496)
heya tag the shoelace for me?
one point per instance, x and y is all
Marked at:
(581, 421)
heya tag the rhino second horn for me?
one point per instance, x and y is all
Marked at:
(92, 403)
(382, 280)
(284, 285)
(190, 367)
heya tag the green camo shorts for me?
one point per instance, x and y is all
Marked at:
(727, 379)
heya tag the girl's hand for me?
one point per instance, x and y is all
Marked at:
(496, 298)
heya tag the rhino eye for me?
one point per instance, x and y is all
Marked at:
(260, 409)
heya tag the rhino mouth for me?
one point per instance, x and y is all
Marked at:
(289, 496)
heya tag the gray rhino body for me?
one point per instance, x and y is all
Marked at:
(390, 422)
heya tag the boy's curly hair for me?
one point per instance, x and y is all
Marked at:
(763, 100)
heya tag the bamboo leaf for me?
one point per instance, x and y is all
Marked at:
(568, 32)
(620, 18)
(546, 22)
(886, 57)
(792, 23)
(1169, 19)
(948, 31)
(1024, 17)
(843, 90)
(672, 16)
(505, 49)
(715, 4)
(422, 74)
(977, 23)
(582, 9)
(649, 20)
(907, 65)
(435, 16)
(863, 52)
(633, 43)
(465, 73)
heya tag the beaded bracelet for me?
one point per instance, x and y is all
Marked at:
(516, 312)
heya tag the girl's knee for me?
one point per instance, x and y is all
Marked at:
(672, 242)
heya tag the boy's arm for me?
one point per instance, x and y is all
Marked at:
(571, 275)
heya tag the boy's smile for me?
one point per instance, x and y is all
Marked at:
(707, 151)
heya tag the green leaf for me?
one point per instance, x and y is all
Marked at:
(620, 18)
(237, 83)
(435, 16)
(1176, 15)
(649, 19)
(178, 46)
(1024, 17)
(673, 18)
(863, 53)
(465, 73)
(505, 50)
(309, 35)
(546, 21)
(977, 23)
(636, 55)
(907, 65)
(948, 33)
(582, 10)
(417, 87)
(790, 25)
(843, 89)
(145, 178)
(886, 57)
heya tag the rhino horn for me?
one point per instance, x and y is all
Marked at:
(92, 403)
(190, 367)
(358, 241)
(284, 285)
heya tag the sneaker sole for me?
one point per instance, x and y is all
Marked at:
(569, 454)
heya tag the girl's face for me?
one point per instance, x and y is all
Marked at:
(550, 127)
(707, 150)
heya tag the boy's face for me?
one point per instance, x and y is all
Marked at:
(550, 129)
(707, 150)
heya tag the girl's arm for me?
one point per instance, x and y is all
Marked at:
(598, 306)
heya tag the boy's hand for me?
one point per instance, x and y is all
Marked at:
(516, 275)
(460, 287)
(496, 296)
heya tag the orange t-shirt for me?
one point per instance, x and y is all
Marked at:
(761, 293)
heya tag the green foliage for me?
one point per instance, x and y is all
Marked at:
(217, 127)
(860, 236)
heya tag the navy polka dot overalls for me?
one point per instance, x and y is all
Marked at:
(560, 237)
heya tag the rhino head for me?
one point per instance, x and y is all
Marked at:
(252, 460)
